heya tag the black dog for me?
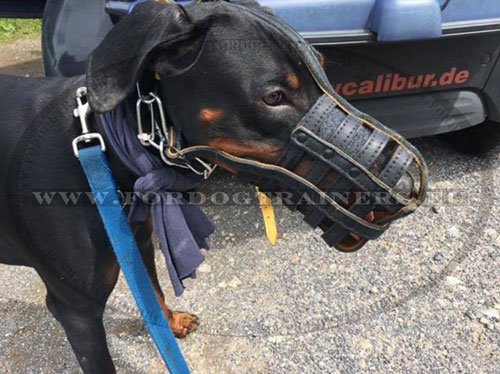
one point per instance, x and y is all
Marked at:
(225, 80)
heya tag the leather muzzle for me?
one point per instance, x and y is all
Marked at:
(345, 174)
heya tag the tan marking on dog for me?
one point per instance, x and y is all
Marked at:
(327, 181)
(304, 166)
(293, 80)
(223, 165)
(210, 115)
(181, 323)
(321, 59)
(111, 274)
(257, 150)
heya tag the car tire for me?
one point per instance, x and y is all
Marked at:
(65, 49)
(477, 140)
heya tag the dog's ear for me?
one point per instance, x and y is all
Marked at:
(119, 61)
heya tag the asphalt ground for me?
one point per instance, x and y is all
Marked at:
(425, 298)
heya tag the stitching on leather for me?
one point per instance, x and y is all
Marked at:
(393, 173)
(377, 150)
(355, 125)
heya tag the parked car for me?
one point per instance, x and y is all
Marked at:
(423, 67)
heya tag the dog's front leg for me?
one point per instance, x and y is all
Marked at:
(181, 323)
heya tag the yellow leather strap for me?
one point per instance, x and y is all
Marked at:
(266, 207)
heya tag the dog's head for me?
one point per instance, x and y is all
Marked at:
(226, 80)
(249, 93)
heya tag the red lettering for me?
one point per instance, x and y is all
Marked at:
(462, 77)
(395, 82)
(380, 79)
(387, 84)
(366, 87)
(447, 78)
(399, 83)
(428, 79)
(350, 89)
(412, 85)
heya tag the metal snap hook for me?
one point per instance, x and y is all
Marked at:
(148, 138)
(82, 111)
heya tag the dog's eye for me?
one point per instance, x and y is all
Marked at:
(274, 98)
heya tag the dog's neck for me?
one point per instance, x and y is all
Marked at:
(124, 177)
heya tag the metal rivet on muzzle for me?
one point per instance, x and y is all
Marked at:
(354, 172)
(329, 154)
(301, 137)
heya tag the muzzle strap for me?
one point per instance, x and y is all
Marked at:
(392, 173)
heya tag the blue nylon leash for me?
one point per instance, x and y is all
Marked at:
(108, 203)
(105, 191)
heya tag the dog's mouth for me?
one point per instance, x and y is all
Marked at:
(351, 200)
(251, 150)
(347, 199)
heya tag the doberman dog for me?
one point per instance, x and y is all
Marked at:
(226, 81)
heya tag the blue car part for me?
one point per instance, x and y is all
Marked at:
(394, 20)
(390, 19)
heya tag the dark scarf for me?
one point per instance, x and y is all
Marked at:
(182, 228)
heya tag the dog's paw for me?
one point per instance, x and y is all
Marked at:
(183, 323)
